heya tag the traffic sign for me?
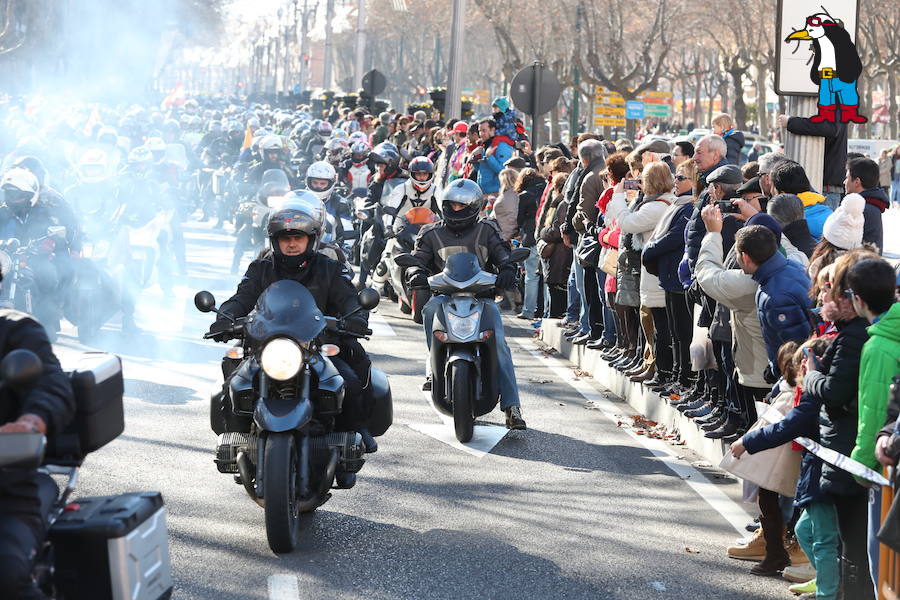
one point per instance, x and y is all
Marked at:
(609, 111)
(535, 90)
(634, 109)
(373, 83)
(609, 122)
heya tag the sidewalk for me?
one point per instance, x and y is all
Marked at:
(636, 395)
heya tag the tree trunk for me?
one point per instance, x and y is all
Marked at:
(762, 112)
(554, 125)
(865, 99)
(698, 110)
(740, 108)
(892, 102)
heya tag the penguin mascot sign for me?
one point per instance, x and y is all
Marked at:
(835, 67)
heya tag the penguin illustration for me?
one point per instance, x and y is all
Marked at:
(835, 68)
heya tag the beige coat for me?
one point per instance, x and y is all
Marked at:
(641, 223)
(506, 211)
(736, 290)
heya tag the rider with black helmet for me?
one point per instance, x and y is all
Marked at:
(295, 231)
(462, 230)
(388, 176)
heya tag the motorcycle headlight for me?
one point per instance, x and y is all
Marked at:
(281, 359)
(462, 327)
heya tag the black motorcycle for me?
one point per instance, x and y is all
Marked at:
(97, 547)
(283, 395)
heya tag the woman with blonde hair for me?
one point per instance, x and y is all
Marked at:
(506, 206)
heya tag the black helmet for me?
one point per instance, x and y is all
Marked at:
(462, 191)
(386, 154)
(299, 212)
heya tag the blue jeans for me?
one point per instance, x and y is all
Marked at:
(585, 309)
(874, 526)
(506, 372)
(532, 283)
(817, 533)
(834, 91)
(574, 297)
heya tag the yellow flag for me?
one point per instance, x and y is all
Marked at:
(248, 139)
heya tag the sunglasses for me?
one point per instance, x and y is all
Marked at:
(681, 178)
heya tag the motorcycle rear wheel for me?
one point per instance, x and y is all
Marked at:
(461, 392)
(282, 506)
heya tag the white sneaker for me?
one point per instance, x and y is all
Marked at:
(800, 574)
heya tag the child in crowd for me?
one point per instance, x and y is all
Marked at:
(505, 118)
(817, 529)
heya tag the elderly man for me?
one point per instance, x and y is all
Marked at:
(709, 155)
(767, 164)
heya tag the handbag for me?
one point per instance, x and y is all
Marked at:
(544, 249)
(611, 262)
(776, 469)
(588, 251)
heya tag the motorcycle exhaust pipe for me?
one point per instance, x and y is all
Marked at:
(245, 469)
(316, 499)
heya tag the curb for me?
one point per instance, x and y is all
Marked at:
(639, 397)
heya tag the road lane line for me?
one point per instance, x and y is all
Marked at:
(484, 437)
(730, 510)
(283, 587)
(379, 326)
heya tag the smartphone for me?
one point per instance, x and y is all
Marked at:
(632, 184)
(813, 359)
(727, 207)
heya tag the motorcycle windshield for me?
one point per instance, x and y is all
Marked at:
(462, 273)
(285, 308)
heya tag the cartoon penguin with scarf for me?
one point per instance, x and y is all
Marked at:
(835, 68)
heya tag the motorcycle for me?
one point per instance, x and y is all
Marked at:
(284, 395)
(401, 240)
(20, 289)
(92, 543)
(463, 350)
(253, 215)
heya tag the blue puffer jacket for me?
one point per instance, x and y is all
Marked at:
(802, 420)
(782, 303)
(667, 250)
(489, 169)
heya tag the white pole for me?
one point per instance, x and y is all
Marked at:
(453, 108)
(359, 66)
(329, 17)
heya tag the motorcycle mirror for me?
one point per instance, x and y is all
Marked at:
(368, 298)
(21, 368)
(519, 254)
(205, 301)
(406, 260)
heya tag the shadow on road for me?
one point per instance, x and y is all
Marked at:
(159, 393)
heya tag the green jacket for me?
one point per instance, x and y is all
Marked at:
(879, 363)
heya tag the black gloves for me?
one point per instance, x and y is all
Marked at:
(417, 279)
(222, 330)
(356, 325)
(506, 278)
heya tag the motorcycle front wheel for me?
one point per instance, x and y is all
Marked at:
(462, 376)
(282, 507)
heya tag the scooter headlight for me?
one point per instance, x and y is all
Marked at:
(462, 327)
(281, 359)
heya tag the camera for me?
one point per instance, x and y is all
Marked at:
(726, 207)
(632, 184)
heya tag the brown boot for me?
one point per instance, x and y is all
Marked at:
(777, 557)
(798, 557)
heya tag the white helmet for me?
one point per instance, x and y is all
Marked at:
(20, 188)
(270, 142)
(321, 171)
(358, 136)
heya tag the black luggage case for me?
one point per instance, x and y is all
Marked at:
(113, 548)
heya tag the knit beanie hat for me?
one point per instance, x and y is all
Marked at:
(502, 103)
(844, 227)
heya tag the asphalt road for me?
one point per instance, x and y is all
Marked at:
(575, 507)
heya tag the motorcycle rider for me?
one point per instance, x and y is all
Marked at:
(313, 141)
(54, 201)
(271, 150)
(461, 230)
(295, 230)
(418, 190)
(24, 218)
(45, 407)
(321, 181)
(355, 171)
(386, 159)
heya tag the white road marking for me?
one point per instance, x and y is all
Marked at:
(731, 511)
(283, 587)
(379, 326)
(484, 438)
